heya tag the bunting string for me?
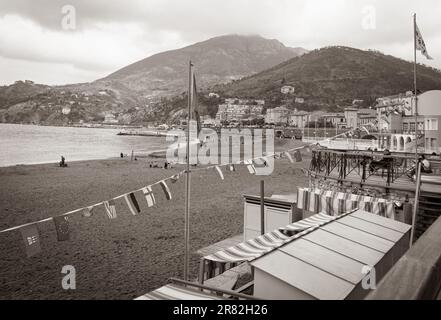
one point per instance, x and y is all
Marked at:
(109, 205)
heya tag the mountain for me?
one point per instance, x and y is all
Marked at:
(216, 60)
(135, 94)
(334, 76)
(18, 92)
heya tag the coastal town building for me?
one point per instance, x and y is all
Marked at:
(298, 119)
(66, 110)
(356, 117)
(284, 116)
(337, 120)
(238, 109)
(396, 121)
(110, 119)
(277, 116)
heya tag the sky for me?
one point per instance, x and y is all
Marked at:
(70, 41)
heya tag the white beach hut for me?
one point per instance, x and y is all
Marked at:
(331, 261)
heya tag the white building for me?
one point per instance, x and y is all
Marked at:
(298, 119)
(277, 115)
(110, 119)
(237, 109)
(287, 90)
(66, 110)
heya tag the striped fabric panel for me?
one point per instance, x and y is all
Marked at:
(255, 248)
(300, 196)
(174, 292)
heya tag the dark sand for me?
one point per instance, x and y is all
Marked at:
(129, 256)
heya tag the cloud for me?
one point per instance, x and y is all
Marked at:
(111, 34)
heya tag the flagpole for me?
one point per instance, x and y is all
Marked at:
(415, 86)
(187, 187)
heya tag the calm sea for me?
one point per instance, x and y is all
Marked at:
(28, 144)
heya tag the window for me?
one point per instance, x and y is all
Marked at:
(405, 127)
(431, 125)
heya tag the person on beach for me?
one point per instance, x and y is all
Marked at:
(63, 163)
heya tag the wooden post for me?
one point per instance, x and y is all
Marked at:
(262, 207)
(417, 199)
(201, 271)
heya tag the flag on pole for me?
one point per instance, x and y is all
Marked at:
(420, 44)
(31, 240)
(132, 203)
(110, 209)
(62, 226)
(219, 171)
(166, 190)
(288, 155)
(88, 212)
(194, 102)
(149, 196)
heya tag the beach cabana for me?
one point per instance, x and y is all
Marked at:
(331, 261)
(177, 292)
(214, 264)
(279, 210)
(178, 289)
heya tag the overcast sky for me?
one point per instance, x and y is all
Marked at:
(35, 43)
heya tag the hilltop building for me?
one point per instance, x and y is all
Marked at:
(287, 90)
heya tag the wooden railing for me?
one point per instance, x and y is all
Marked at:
(417, 275)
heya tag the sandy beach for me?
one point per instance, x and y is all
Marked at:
(129, 256)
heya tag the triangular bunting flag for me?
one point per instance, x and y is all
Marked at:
(149, 196)
(31, 240)
(166, 190)
(219, 171)
(250, 166)
(288, 155)
(110, 209)
(175, 178)
(62, 227)
(298, 156)
(88, 212)
(132, 203)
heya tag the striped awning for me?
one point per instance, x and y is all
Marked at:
(255, 248)
(336, 203)
(176, 292)
(312, 221)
